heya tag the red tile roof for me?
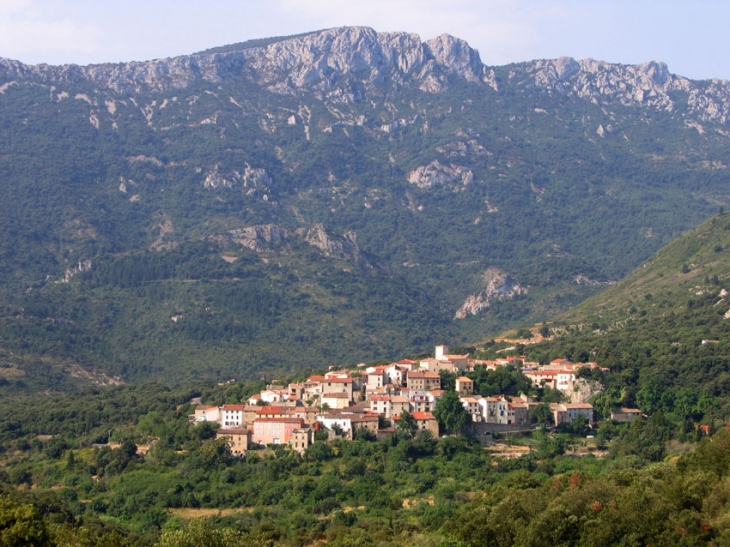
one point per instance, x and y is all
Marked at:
(271, 410)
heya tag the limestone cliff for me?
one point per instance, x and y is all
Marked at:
(497, 285)
(312, 61)
(329, 62)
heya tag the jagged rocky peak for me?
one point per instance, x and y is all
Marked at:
(457, 55)
(647, 84)
(311, 60)
(347, 64)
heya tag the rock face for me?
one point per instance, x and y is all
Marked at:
(584, 390)
(648, 84)
(82, 266)
(271, 238)
(250, 178)
(313, 61)
(262, 238)
(436, 173)
(329, 62)
(497, 285)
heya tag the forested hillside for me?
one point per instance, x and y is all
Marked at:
(565, 490)
(662, 331)
(335, 197)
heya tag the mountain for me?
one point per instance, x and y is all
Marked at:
(337, 196)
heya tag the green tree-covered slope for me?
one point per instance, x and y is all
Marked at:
(339, 196)
(663, 330)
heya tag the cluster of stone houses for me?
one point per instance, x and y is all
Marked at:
(348, 400)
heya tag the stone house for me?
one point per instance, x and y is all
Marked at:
(464, 386)
(239, 440)
(421, 380)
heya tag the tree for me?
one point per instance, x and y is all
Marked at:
(580, 425)
(406, 424)
(541, 414)
(200, 532)
(450, 413)
(21, 525)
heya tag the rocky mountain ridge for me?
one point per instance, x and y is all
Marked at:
(312, 62)
(326, 62)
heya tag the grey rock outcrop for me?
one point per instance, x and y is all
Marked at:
(342, 247)
(497, 285)
(436, 173)
(312, 61)
(345, 65)
(338, 247)
(647, 84)
(251, 177)
(261, 238)
(82, 266)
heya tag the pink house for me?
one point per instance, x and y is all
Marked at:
(275, 430)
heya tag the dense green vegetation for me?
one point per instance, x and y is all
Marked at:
(151, 187)
(656, 480)
(662, 331)
(401, 490)
(130, 196)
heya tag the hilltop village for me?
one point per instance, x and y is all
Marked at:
(342, 403)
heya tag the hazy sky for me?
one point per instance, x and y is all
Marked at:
(691, 37)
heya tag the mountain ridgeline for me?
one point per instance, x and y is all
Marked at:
(337, 196)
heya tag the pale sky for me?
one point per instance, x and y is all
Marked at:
(690, 36)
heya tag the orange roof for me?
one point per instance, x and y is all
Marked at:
(315, 379)
(270, 410)
(423, 416)
(232, 407)
(338, 380)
